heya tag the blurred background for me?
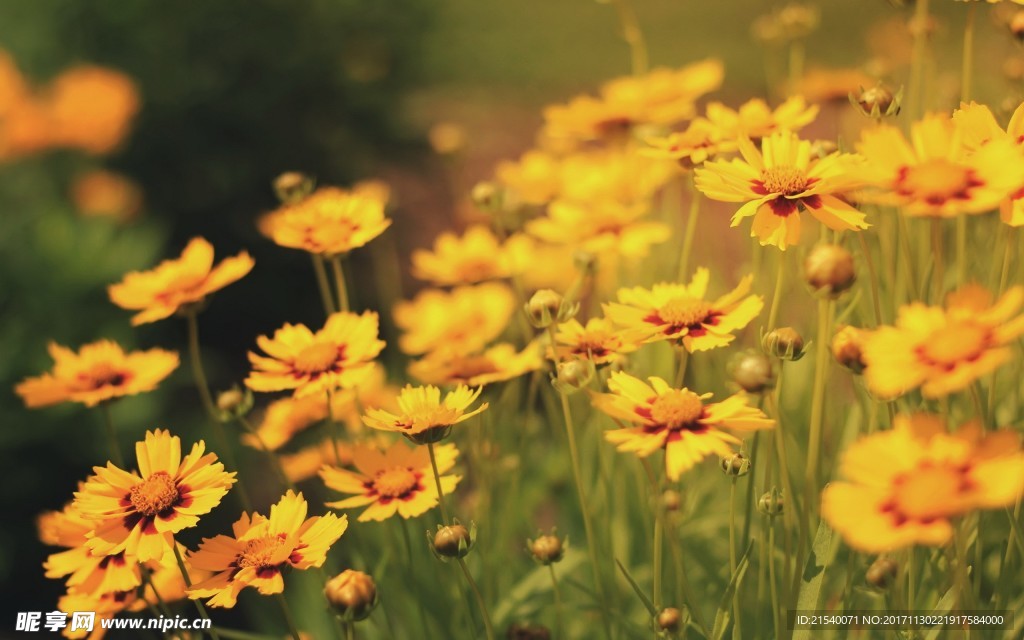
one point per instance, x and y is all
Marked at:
(223, 96)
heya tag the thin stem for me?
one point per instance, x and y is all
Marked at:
(732, 554)
(558, 601)
(479, 599)
(968, 57)
(780, 283)
(904, 233)
(350, 630)
(323, 284)
(633, 36)
(773, 587)
(818, 396)
(911, 578)
(275, 462)
(335, 426)
(920, 20)
(339, 283)
(961, 249)
(872, 276)
(147, 581)
(289, 620)
(938, 253)
(691, 231)
(188, 585)
(684, 358)
(108, 423)
(659, 534)
(437, 480)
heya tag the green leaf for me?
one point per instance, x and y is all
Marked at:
(809, 597)
(639, 592)
(724, 615)
(534, 584)
(944, 605)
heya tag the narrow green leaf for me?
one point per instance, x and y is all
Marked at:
(809, 597)
(724, 615)
(944, 605)
(639, 592)
(534, 584)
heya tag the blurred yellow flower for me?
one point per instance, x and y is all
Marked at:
(978, 127)
(338, 355)
(680, 312)
(306, 463)
(780, 180)
(99, 371)
(91, 108)
(904, 486)
(262, 549)
(943, 350)
(138, 513)
(699, 141)
(86, 572)
(755, 119)
(534, 179)
(102, 193)
(423, 416)
(394, 480)
(476, 256)
(331, 221)
(932, 176)
(462, 320)
(600, 227)
(175, 284)
(599, 341)
(827, 85)
(676, 420)
(496, 364)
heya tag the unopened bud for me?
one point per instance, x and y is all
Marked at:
(452, 541)
(878, 101)
(772, 503)
(669, 619)
(847, 348)
(527, 631)
(798, 20)
(736, 465)
(1016, 25)
(486, 196)
(234, 403)
(829, 270)
(573, 375)
(547, 549)
(752, 371)
(881, 573)
(547, 307)
(292, 186)
(352, 593)
(671, 500)
(784, 343)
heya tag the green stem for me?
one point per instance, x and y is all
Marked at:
(659, 534)
(938, 253)
(917, 61)
(961, 249)
(275, 462)
(780, 282)
(323, 284)
(732, 555)
(188, 585)
(904, 233)
(479, 597)
(773, 587)
(818, 396)
(633, 36)
(350, 630)
(339, 283)
(691, 231)
(289, 620)
(968, 57)
(335, 426)
(437, 480)
(684, 357)
(108, 423)
(911, 578)
(873, 278)
(147, 581)
(558, 601)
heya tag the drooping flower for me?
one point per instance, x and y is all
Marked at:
(599, 340)
(778, 182)
(600, 227)
(943, 350)
(398, 479)
(904, 486)
(338, 355)
(476, 256)
(676, 420)
(423, 416)
(462, 320)
(174, 284)
(932, 175)
(331, 221)
(978, 127)
(99, 371)
(261, 549)
(755, 119)
(498, 363)
(138, 513)
(681, 312)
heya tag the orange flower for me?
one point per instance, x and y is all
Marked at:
(174, 284)
(91, 108)
(106, 194)
(99, 371)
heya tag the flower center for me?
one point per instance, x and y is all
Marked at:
(103, 375)
(395, 482)
(929, 492)
(259, 552)
(677, 408)
(936, 181)
(783, 179)
(472, 366)
(155, 494)
(477, 269)
(955, 344)
(684, 311)
(317, 357)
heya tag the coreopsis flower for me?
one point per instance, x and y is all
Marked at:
(778, 182)
(620, 174)
(462, 320)
(680, 312)
(423, 416)
(832, 85)
(260, 550)
(398, 479)
(99, 371)
(943, 350)
(476, 256)
(978, 127)
(598, 340)
(86, 572)
(106, 194)
(600, 227)
(91, 108)
(676, 420)
(138, 512)
(307, 462)
(691, 147)
(175, 284)
(931, 175)
(755, 119)
(338, 355)
(904, 486)
(330, 221)
(534, 179)
(498, 363)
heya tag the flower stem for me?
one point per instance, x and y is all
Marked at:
(920, 20)
(479, 597)
(780, 283)
(732, 554)
(776, 613)
(873, 278)
(445, 520)
(968, 57)
(350, 630)
(558, 601)
(323, 284)
(188, 585)
(289, 620)
(659, 535)
(339, 283)
(108, 422)
(691, 231)
(633, 36)
(938, 253)
(818, 396)
(684, 357)
(275, 462)
(334, 426)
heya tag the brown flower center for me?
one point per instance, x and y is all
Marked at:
(155, 494)
(472, 366)
(783, 179)
(684, 311)
(936, 181)
(259, 552)
(477, 269)
(955, 344)
(317, 357)
(395, 482)
(103, 375)
(677, 408)
(930, 492)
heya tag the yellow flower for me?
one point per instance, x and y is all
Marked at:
(824, 85)
(776, 183)
(755, 119)
(261, 549)
(99, 371)
(600, 227)
(86, 572)
(138, 513)
(978, 127)
(496, 364)
(91, 108)
(475, 257)
(106, 194)
(943, 350)
(306, 463)
(676, 420)
(331, 221)
(174, 284)
(932, 176)
(423, 416)
(699, 141)
(338, 355)
(681, 312)
(398, 480)
(905, 485)
(598, 341)
(462, 320)
(534, 179)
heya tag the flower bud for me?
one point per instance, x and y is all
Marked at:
(669, 619)
(772, 503)
(547, 307)
(752, 371)
(527, 631)
(784, 343)
(881, 573)
(847, 348)
(1016, 25)
(547, 549)
(292, 186)
(487, 196)
(798, 20)
(452, 541)
(736, 465)
(446, 138)
(829, 270)
(352, 593)
(671, 500)
(234, 403)
(573, 375)
(878, 101)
